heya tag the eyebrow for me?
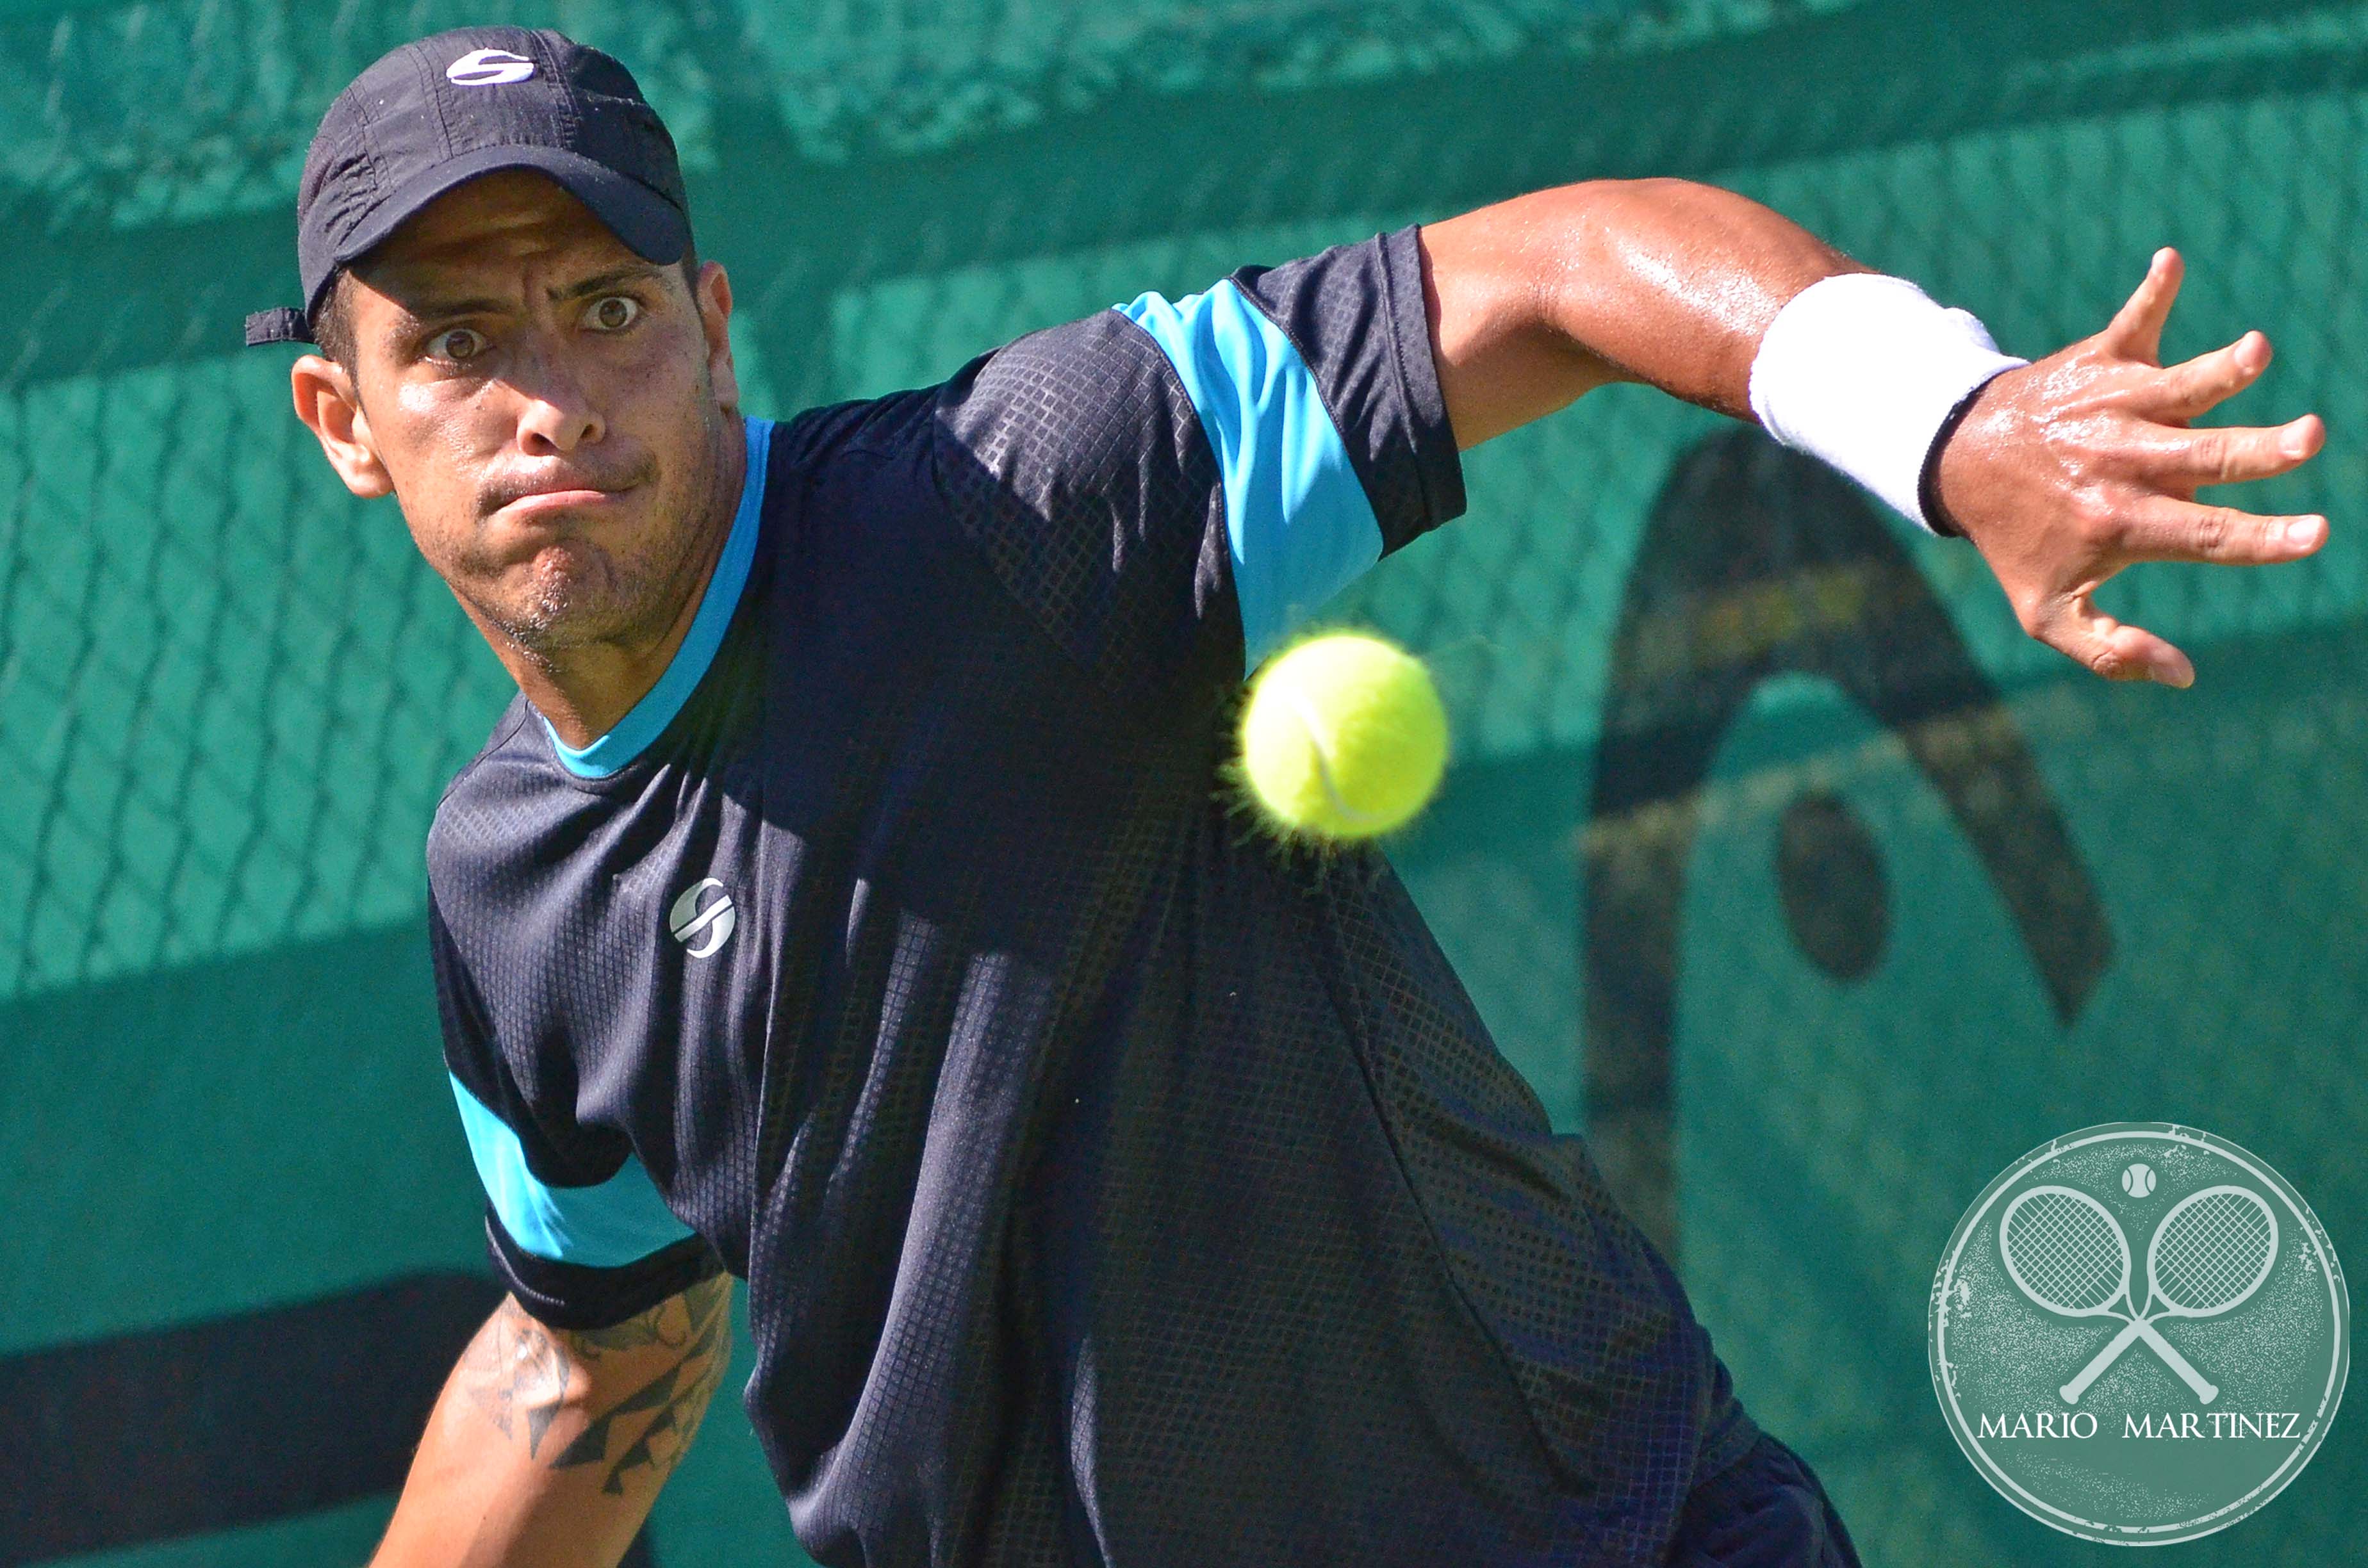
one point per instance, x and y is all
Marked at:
(632, 272)
(434, 309)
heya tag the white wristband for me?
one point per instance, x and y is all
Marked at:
(1862, 372)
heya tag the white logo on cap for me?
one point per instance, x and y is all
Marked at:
(488, 68)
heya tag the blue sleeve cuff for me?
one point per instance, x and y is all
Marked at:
(1298, 522)
(621, 1221)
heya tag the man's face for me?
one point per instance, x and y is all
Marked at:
(552, 411)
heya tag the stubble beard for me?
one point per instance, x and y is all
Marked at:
(582, 596)
(585, 595)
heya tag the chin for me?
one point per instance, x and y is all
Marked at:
(578, 597)
(564, 587)
(557, 599)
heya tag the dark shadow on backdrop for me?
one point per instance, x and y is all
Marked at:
(236, 1421)
(83, 294)
(1755, 563)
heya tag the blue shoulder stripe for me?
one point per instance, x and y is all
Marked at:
(648, 718)
(621, 1221)
(1298, 521)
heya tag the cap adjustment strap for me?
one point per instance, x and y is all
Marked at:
(281, 324)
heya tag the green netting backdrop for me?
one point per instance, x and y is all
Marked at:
(228, 695)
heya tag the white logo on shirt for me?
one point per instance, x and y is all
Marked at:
(702, 929)
(488, 68)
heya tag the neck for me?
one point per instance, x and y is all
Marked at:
(584, 691)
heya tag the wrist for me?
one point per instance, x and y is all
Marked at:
(1868, 374)
(1936, 515)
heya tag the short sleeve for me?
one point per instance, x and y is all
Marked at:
(1176, 486)
(574, 1225)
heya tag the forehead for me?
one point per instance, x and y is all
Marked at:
(498, 224)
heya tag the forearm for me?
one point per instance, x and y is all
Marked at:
(2060, 472)
(1536, 301)
(547, 1446)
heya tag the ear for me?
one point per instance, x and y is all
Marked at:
(331, 408)
(714, 297)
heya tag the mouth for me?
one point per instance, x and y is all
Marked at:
(547, 503)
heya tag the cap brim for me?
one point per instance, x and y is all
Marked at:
(651, 227)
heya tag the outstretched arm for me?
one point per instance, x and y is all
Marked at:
(548, 1445)
(2061, 472)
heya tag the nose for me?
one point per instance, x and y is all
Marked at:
(555, 415)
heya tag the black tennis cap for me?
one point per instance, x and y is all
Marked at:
(437, 113)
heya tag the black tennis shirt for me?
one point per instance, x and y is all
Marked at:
(1112, 1185)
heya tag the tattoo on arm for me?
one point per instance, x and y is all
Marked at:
(513, 1369)
(518, 1372)
(697, 1326)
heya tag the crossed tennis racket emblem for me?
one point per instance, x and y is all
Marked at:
(2069, 1254)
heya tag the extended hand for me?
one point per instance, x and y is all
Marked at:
(2066, 471)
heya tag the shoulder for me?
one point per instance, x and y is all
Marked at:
(1084, 395)
(480, 808)
(812, 442)
(1079, 438)
(1092, 395)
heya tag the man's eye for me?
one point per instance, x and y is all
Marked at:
(460, 343)
(614, 314)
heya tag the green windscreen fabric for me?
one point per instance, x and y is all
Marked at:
(1776, 858)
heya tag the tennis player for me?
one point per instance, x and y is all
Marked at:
(850, 904)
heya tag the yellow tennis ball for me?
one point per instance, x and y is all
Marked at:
(1343, 737)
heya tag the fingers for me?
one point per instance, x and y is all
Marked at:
(2164, 528)
(2135, 332)
(2112, 650)
(2226, 454)
(2190, 391)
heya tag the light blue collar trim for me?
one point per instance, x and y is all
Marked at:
(649, 717)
